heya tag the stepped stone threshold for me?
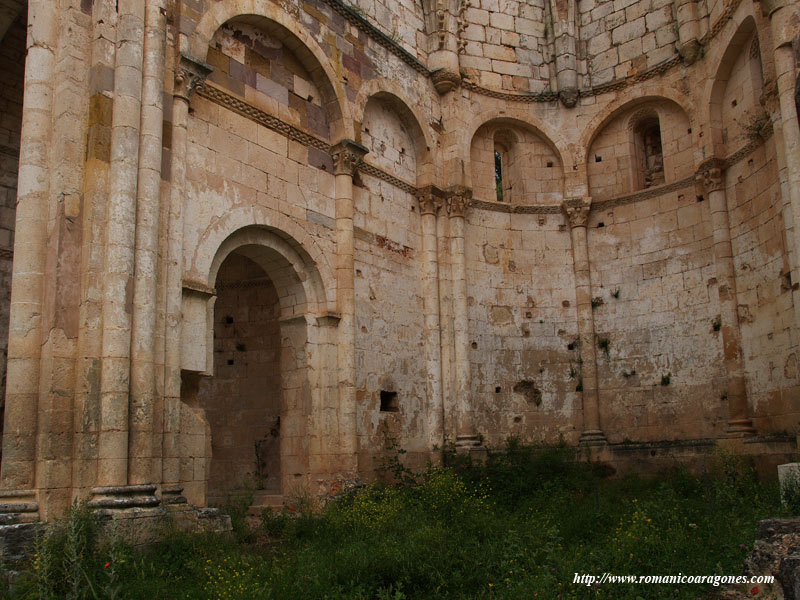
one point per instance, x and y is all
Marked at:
(248, 246)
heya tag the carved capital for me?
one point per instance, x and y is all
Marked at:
(430, 199)
(577, 211)
(690, 51)
(458, 201)
(710, 175)
(445, 80)
(347, 155)
(569, 97)
(189, 75)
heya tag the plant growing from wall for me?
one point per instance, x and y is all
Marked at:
(615, 293)
(605, 344)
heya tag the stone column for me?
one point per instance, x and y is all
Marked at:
(430, 202)
(143, 383)
(688, 30)
(577, 213)
(30, 242)
(458, 201)
(445, 47)
(120, 239)
(783, 16)
(347, 155)
(564, 27)
(188, 75)
(711, 177)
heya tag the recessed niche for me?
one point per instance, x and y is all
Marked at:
(389, 402)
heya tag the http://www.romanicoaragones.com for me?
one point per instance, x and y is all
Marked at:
(680, 578)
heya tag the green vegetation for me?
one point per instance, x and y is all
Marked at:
(520, 526)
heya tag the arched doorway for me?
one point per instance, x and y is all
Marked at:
(244, 401)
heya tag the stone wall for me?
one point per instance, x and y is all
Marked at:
(524, 358)
(505, 45)
(654, 280)
(620, 38)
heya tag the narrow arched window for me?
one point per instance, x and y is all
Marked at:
(649, 154)
(498, 174)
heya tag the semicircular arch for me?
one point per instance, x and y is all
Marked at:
(261, 226)
(259, 12)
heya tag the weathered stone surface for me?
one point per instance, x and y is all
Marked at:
(499, 218)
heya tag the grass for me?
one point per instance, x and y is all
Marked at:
(520, 526)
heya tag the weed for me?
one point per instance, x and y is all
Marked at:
(615, 293)
(605, 345)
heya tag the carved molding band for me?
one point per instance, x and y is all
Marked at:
(515, 209)
(374, 171)
(269, 121)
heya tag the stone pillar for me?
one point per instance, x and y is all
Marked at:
(143, 383)
(30, 242)
(711, 177)
(784, 18)
(347, 155)
(120, 239)
(577, 213)
(458, 201)
(446, 45)
(564, 26)
(188, 75)
(688, 30)
(430, 202)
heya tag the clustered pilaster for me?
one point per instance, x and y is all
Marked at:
(711, 178)
(576, 211)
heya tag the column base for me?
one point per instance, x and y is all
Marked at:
(738, 428)
(470, 445)
(19, 521)
(121, 497)
(592, 437)
(172, 494)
